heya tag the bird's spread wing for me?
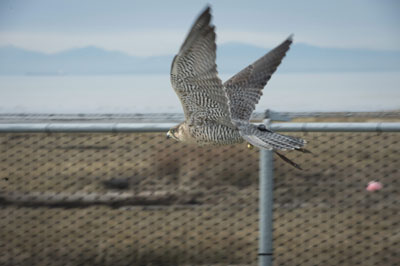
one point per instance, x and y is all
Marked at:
(195, 79)
(245, 88)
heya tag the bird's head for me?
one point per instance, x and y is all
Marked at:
(177, 132)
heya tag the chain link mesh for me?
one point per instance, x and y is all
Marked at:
(139, 199)
(324, 215)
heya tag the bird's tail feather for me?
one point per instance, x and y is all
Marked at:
(287, 160)
(266, 139)
(273, 141)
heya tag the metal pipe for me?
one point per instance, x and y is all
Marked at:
(85, 127)
(337, 127)
(265, 207)
(163, 127)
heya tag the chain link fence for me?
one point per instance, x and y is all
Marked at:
(140, 199)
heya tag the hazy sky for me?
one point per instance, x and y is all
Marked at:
(158, 27)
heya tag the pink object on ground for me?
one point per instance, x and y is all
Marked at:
(374, 186)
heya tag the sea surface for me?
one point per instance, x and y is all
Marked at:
(153, 93)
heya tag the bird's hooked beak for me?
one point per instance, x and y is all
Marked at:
(171, 134)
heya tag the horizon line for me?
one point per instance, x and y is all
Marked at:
(105, 49)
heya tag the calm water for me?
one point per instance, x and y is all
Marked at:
(153, 93)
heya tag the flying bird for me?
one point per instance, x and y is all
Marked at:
(219, 113)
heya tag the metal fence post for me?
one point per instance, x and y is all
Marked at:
(265, 208)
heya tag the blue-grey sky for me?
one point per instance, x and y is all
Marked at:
(158, 27)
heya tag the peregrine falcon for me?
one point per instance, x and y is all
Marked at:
(218, 113)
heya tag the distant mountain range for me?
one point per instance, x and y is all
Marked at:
(231, 57)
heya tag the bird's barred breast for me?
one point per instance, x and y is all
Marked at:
(215, 134)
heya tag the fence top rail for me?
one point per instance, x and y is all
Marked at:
(164, 127)
(337, 127)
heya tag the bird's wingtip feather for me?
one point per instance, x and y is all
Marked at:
(207, 9)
